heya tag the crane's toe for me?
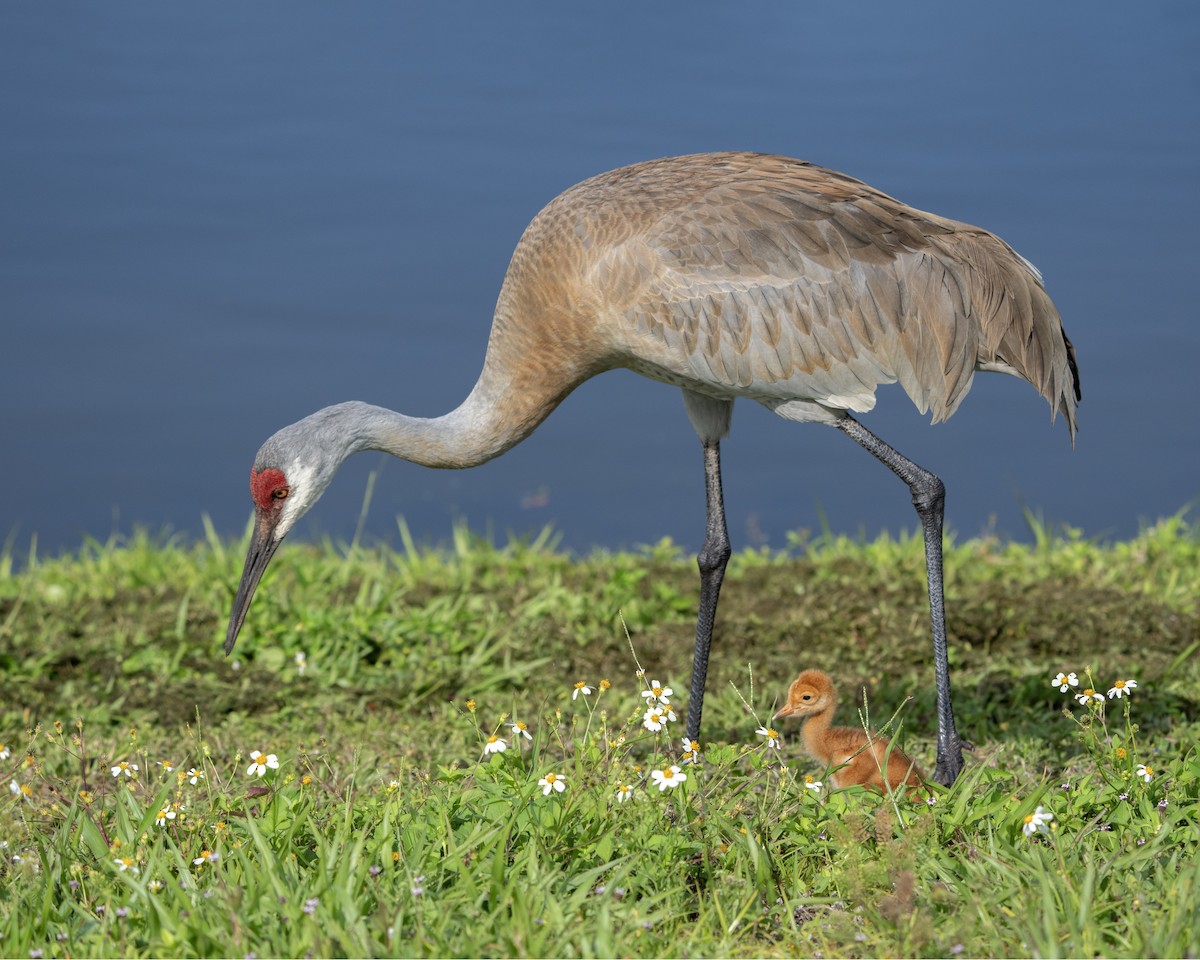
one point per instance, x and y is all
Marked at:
(950, 764)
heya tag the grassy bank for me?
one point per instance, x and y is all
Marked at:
(376, 678)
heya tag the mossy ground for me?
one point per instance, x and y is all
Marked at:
(115, 654)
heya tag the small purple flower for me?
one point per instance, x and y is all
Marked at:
(1141, 841)
(418, 885)
(1162, 805)
(1123, 796)
(35, 954)
(310, 905)
(957, 949)
(375, 870)
(122, 913)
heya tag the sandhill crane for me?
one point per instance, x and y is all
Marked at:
(855, 757)
(728, 275)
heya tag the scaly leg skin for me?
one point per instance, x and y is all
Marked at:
(929, 497)
(713, 556)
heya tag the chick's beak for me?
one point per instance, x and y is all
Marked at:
(785, 711)
(263, 544)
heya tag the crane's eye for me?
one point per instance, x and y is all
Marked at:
(806, 697)
(280, 493)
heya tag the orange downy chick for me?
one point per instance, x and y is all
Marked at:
(854, 757)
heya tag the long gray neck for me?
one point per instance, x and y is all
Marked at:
(482, 427)
(529, 368)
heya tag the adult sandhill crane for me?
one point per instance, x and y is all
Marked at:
(729, 275)
(855, 756)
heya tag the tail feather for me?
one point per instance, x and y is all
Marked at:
(1020, 328)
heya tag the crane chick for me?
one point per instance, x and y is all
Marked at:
(854, 756)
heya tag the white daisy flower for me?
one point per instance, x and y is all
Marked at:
(260, 763)
(1037, 822)
(1064, 681)
(1121, 688)
(552, 781)
(495, 744)
(673, 776)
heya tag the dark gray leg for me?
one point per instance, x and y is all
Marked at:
(714, 554)
(929, 497)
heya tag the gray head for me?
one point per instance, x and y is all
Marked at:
(291, 471)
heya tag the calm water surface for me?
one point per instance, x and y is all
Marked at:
(216, 219)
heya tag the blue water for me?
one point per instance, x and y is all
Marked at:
(215, 219)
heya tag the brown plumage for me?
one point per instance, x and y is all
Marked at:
(729, 275)
(761, 276)
(852, 755)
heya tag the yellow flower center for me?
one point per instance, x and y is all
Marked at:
(550, 778)
(1029, 818)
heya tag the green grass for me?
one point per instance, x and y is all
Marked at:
(386, 831)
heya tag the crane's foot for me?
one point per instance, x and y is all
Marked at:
(950, 763)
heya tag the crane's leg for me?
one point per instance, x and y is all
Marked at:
(713, 556)
(929, 497)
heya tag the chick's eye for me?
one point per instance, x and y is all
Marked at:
(280, 493)
(806, 697)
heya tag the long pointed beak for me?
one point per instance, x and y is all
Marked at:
(262, 547)
(785, 711)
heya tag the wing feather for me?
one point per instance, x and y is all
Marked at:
(771, 278)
